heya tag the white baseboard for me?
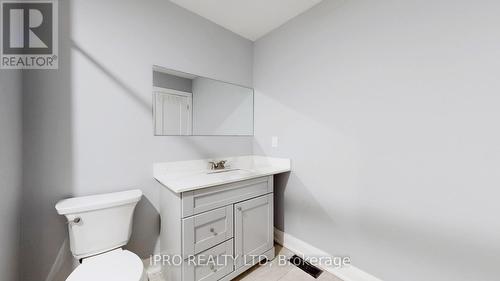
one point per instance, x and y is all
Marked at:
(153, 271)
(346, 273)
(63, 259)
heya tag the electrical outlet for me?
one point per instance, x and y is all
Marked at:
(274, 141)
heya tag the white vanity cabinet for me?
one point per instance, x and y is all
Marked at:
(231, 224)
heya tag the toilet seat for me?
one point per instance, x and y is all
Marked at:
(116, 265)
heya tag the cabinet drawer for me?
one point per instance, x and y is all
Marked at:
(198, 201)
(210, 265)
(206, 230)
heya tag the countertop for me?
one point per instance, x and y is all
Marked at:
(185, 176)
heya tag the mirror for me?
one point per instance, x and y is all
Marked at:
(190, 105)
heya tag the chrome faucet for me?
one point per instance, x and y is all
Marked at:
(217, 165)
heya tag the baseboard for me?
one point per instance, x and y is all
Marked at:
(346, 273)
(153, 271)
(63, 260)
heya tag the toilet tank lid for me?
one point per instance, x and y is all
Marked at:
(96, 202)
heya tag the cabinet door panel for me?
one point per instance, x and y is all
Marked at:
(253, 229)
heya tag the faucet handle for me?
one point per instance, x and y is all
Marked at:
(213, 165)
(221, 164)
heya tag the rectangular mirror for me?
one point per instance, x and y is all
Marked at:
(189, 105)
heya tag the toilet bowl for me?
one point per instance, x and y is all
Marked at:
(116, 265)
(98, 227)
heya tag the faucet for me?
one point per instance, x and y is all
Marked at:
(217, 165)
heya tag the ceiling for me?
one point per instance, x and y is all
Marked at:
(251, 19)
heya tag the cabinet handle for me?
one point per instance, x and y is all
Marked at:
(239, 209)
(213, 231)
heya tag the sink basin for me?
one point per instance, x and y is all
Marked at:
(237, 171)
(229, 174)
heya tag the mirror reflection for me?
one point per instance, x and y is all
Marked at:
(185, 104)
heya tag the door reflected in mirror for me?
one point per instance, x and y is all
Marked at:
(185, 104)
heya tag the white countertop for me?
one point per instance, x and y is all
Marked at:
(184, 176)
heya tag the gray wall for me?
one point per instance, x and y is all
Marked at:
(10, 171)
(88, 126)
(169, 81)
(389, 111)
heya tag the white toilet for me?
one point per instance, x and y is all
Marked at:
(99, 226)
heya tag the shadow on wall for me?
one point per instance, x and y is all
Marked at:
(145, 230)
(146, 105)
(47, 163)
(146, 226)
(280, 184)
(293, 199)
(48, 166)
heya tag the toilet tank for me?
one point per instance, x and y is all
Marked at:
(99, 223)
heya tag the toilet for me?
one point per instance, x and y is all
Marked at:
(99, 226)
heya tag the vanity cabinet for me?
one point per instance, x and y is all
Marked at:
(231, 224)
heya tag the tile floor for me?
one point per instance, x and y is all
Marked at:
(272, 272)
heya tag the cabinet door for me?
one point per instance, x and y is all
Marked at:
(253, 223)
